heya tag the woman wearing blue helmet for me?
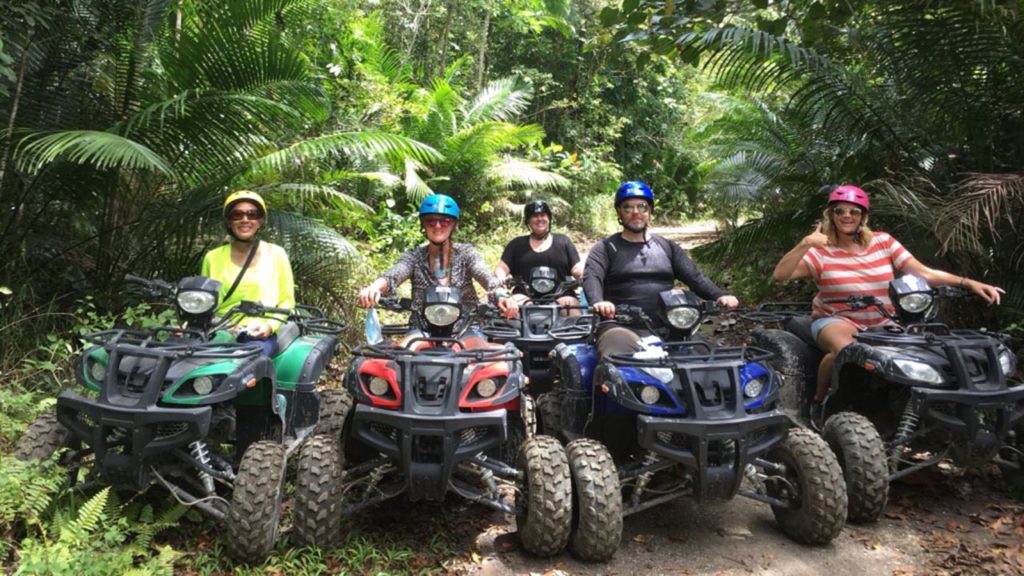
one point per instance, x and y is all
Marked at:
(439, 262)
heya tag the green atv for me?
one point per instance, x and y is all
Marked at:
(191, 409)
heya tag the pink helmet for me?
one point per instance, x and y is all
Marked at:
(852, 194)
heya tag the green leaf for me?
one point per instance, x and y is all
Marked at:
(630, 5)
(610, 17)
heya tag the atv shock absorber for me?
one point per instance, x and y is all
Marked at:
(201, 454)
(641, 482)
(907, 425)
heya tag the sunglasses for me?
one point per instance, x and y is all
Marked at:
(250, 214)
(840, 211)
(438, 222)
(641, 207)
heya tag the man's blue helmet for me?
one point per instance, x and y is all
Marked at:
(634, 189)
(439, 204)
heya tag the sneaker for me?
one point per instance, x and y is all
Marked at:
(817, 415)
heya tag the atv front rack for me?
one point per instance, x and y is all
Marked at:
(393, 351)
(180, 342)
(692, 353)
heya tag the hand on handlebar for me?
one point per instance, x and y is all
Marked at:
(604, 308)
(989, 293)
(369, 296)
(728, 301)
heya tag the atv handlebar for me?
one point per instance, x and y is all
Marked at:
(155, 288)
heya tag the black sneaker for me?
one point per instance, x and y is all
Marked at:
(817, 416)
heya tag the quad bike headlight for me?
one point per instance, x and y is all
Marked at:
(197, 301)
(378, 386)
(1007, 362)
(486, 387)
(650, 395)
(915, 303)
(920, 371)
(442, 314)
(542, 285)
(683, 317)
(203, 385)
(97, 371)
(754, 387)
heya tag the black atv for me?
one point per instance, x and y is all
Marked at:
(191, 409)
(905, 395)
(539, 314)
(686, 418)
(442, 410)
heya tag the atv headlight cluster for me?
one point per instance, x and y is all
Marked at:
(442, 314)
(378, 386)
(684, 317)
(915, 303)
(197, 301)
(542, 285)
(921, 371)
(97, 371)
(756, 386)
(912, 296)
(650, 395)
(1007, 362)
(543, 280)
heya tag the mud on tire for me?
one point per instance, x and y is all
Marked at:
(819, 508)
(549, 411)
(334, 408)
(45, 435)
(255, 511)
(861, 454)
(794, 359)
(597, 501)
(544, 505)
(316, 516)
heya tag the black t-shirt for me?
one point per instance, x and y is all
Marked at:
(520, 258)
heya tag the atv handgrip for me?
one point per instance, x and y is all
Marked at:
(322, 326)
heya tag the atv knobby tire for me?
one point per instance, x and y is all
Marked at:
(597, 501)
(544, 519)
(316, 515)
(795, 360)
(255, 511)
(818, 511)
(861, 454)
(45, 435)
(335, 406)
(549, 410)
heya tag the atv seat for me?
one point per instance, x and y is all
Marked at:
(801, 327)
(286, 334)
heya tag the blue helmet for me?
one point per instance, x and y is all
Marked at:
(634, 189)
(439, 204)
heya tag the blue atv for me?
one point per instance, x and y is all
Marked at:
(684, 417)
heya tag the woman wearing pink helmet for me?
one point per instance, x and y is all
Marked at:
(845, 257)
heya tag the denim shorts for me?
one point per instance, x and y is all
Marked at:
(820, 323)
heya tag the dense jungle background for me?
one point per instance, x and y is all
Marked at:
(126, 123)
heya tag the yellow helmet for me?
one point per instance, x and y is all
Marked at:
(247, 196)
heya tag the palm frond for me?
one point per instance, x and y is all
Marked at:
(515, 172)
(311, 192)
(374, 143)
(101, 150)
(502, 99)
(979, 204)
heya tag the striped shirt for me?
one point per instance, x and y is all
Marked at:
(839, 274)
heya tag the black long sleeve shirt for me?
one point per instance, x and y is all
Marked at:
(624, 272)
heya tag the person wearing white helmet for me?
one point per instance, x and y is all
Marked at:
(266, 279)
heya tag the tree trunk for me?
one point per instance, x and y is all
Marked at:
(448, 9)
(481, 64)
(7, 151)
